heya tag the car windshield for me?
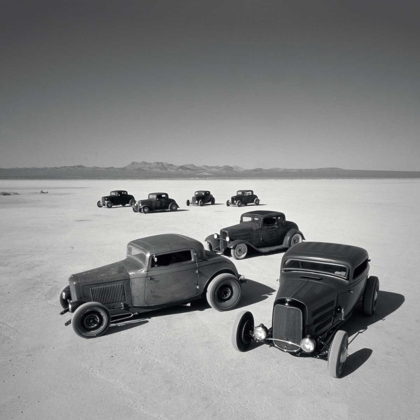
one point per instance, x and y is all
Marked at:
(245, 219)
(317, 267)
(200, 193)
(239, 192)
(138, 253)
(114, 193)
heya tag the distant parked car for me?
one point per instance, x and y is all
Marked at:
(243, 198)
(320, 286)
(155, 202)
(116, 198)
(201, 197)
(159, 271)
(261, 231)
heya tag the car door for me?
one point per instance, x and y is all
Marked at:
(269, 231)
(171, 277)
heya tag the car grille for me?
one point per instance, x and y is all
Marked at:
(287, 326)
(108, 294)
(103, 201)
(193, 200)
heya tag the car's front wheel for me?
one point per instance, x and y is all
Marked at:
(109, 204)
(370, 296)
(295, 239)
(99, 204)
(91, 320)
(241, 331)
(188, 203)
(135, 209)
(338, 353)
(240, 251)
(256, 201)
(224, 292)
(228, 203)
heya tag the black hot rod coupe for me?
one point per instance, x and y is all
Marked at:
(263, 231)
(242, 198)
(158, 271)
(320, 286)
(201, 197)
(116, 198)
(155, 202)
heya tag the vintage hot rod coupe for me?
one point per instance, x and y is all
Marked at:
(242, 198)
(116, 198)
(201, 197)
(158, 271)
(263, 231)
(155, 202)
(320, 286)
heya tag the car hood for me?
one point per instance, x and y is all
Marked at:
(242, 228)
(305, 288)
(107, 197)
(121, 270)
(144, 202)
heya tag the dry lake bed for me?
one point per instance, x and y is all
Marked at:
(179, 363)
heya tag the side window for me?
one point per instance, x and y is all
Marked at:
(165, 260)
(359, 269)
(270, 221)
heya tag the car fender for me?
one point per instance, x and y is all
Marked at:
(226, 270)
(232, 244)
(215, 243)
(289, 235)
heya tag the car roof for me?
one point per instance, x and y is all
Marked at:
(119, 191)
(166, 242)
(263, 213)
(158, 193)
(348, 254)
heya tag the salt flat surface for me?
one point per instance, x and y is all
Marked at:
(179, 363)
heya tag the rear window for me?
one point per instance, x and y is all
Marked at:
(164, 260)
(317, 267)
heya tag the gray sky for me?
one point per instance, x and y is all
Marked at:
(293, 84)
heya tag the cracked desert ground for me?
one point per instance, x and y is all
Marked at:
(179, 363)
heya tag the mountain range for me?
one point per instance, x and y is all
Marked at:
(164, 170)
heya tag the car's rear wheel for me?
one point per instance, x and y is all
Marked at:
(239, 203)
(99, 204)
(173, 207)
(201, 203)
(132, 202)
(109, 204)
(241, 331)
(146, 210)
(338, 353)
(64, 295)
(295, 239)
(228, 203)
(224, 292)
(212, 201)
(240, 251)
(256, 201)
(91, 320)
(370, 296)
(188, 203)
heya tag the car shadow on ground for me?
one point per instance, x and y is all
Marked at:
(160, 212)
(252, 292)
(388, 302)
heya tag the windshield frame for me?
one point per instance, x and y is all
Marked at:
(141, 252)
(345, 277)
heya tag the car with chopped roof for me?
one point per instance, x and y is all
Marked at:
(116, 198)
(157, 272)
(156, 201)
(258, 231)
(243, 198)
(321, 284)
(200, 198)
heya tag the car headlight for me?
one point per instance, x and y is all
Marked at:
(307, 345)
(260, 333)
(227, 239)
(216, 236)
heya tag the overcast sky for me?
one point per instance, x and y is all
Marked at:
(293, 84)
